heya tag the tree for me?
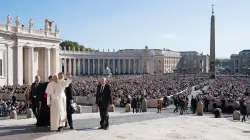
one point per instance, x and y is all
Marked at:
(218, 62)
(67, 45)
(70, 45)
(76, 46)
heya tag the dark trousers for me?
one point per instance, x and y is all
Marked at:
(44, 115)
(182, 109)
(104, 116)
(69, 116)
(243, 118)
(206, 108)
(35, 106)
(194, 109)
(139, 108)
(134, 110)
(176, 108)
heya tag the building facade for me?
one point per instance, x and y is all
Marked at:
(240, 63)
(193, 62)
(27, 52)
(133, 61)
(127, 61)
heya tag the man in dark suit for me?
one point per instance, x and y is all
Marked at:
(69, 101)
(44, 115)
(103, 100)
(14, 99)
(35, 96)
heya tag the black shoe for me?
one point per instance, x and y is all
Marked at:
(59, 129)
(106, 128)
(101, 127)
(71, 127)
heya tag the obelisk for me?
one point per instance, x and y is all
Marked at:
(212, 47)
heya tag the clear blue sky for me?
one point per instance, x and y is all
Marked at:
(180, 25)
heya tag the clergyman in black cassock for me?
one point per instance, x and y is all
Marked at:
(44, 116)
(69, 101)
(103, 100)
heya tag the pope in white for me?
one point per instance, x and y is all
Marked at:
(57, 101)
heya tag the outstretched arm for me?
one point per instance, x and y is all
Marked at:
(66, 83)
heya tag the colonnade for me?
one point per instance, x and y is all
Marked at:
(37, 61)
(95, 66)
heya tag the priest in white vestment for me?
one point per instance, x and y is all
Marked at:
(57, 101)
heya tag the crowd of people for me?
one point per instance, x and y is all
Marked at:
(7, 106)
(17, 89)
(132, 88)
(156, 85)
(153, 86)
(229, 88)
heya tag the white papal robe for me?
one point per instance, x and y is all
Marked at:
(57, 101)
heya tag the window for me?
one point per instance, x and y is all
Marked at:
(236, 63)
(1, 67)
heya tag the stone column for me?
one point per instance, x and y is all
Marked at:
(152, 65)
(56, 60)
(79, 66)
(139, 66)
(65, 66)
(98, 66)
(93, 66)
(46, 63)
(119, 65)
(129, 66)
(70, 65)
(108, 63)
(83, 66)
(103, 65)
(19, 65)
(74, 66)
(31, 62)
(124, 66)
(26, 65)
(134, 66)
(10, 67)
(61, 62)
(88, 66)
(113, 72)
(142, 65)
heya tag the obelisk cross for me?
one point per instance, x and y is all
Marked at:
(213, 9)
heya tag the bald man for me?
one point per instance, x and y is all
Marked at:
(35, 96)
(103, 100)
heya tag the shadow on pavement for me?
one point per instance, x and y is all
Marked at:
(17, 130)
(86, 129)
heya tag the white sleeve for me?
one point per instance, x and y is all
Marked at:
(49, 91)
(66, 83)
